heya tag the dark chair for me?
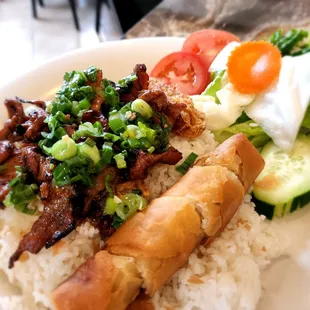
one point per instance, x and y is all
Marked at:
(72, 5)
(129, 12)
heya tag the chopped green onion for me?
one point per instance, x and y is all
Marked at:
(47, 150)
(84, 104)
(90, 142)
(117, 125)
(117, 221)
(91, 152)
(290, 43)
(183, 168)
(132, 131)
(106, 155)
(110, 206)
(63, 105)
(62, 175)
(107, 151)
(60, 132)
(110, 137)
(142, 107)
(131, 203)
(75, 108)
(21, 194)
(54, 122)
(147, 132)
(134, 201)
(107, 183)
(120, 161)
(134, 143)
(146, 143)
(64, 149)
(91, 74)
(49, 106)
(78, 168)
(126, 82)
(151, 149)
(111, 97)
(88, 129)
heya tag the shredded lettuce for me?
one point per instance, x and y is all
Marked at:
(251, 130)
(214, 86)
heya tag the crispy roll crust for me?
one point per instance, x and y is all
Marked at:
(216, 193)
(162, 238)
(239, 156)
(103, 282)
(153, 244)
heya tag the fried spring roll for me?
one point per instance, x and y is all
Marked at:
(162, 238)
(104, 282)
(159, 240)
(239, 156)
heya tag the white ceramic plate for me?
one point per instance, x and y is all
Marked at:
(115, 58)
(286, 282)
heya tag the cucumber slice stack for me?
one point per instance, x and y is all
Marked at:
(284, 184)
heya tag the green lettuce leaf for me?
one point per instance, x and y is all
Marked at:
(306, 120)
(251, 130)
(214, 86)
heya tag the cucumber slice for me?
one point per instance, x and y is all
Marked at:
(284, 184)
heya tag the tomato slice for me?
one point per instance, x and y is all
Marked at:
(254, 66)
(186, 70)
(208, 43)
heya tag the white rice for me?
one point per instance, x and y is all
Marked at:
(229, 270)
(38, 275)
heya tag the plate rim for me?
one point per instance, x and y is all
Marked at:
(81, 51)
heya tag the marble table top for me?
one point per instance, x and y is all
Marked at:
(248, 19)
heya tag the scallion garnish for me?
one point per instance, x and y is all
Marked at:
(151, 149)
(183, 168)
(117, 125)
(107, 183)
(120, 161)
(117, 221)
(21, 194)
(106, 155)
(90, 142)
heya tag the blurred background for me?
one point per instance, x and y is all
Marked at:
(34, 31)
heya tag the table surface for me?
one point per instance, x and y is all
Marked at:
(248, 19)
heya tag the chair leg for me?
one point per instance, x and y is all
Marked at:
(34, 9)
(41, 2)
(107, 3)
(74, 12)
(98, 15)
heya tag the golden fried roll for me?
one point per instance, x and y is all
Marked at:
(142, 302)
(215, 192)
(239, 156)
(103, 282)
(161, 239)
(158, 240)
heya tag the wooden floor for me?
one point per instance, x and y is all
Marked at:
(25, 42)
